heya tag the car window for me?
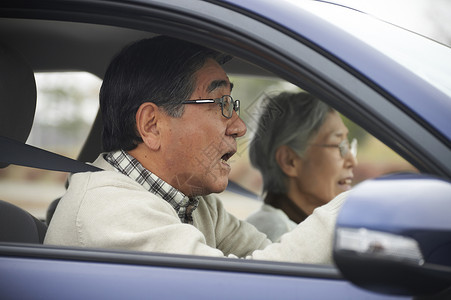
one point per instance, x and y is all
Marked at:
(67, 104)
(66, 110)
(65, 114)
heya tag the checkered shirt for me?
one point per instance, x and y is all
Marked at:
(129, 166)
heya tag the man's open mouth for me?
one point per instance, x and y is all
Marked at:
(227, 156)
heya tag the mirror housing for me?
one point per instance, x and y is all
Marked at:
(393, 235)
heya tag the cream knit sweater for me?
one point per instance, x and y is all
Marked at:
(107, 209)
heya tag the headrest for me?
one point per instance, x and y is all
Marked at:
(17, 96)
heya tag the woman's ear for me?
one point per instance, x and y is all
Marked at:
(147, 118)
(288, 160)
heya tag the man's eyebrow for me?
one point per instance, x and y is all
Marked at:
(217, 84)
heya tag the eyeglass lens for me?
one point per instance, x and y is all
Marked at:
(228, 106)
(345, 147)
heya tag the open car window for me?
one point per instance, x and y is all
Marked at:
(68, 103)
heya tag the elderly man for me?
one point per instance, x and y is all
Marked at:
(170, 126)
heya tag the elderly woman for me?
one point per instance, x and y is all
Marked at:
(302, 150)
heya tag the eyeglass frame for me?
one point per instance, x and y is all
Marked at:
(344, 147)
(235, 104)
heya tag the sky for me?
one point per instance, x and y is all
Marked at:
(431, 18)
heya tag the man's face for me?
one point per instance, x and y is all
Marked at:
(198, 145)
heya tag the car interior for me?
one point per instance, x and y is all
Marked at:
(30, 45)
(17, 113)
(44, 46)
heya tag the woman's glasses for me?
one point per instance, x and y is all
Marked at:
(344, 147)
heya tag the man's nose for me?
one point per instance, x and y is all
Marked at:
(236, 127)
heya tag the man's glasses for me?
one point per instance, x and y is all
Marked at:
(344, 147)
(228, 105)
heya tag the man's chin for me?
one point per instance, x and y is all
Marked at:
(216, 187)
(210, 184)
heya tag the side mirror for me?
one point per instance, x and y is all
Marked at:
(393, 235)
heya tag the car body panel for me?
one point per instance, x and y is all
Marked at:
(25, 278)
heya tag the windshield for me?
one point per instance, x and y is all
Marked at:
(426, 58)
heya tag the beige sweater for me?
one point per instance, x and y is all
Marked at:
(107, 209)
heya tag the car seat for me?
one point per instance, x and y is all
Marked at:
(17, 109)
(18, 226)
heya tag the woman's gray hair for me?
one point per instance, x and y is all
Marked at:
(291, 119)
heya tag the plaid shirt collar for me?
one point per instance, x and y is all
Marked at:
(129, 166)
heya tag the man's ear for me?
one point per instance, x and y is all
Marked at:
(288, 160)
(147, 118)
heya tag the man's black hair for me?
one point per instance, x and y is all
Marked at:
(159, 70)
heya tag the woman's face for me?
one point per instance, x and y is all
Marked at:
(322, 173)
